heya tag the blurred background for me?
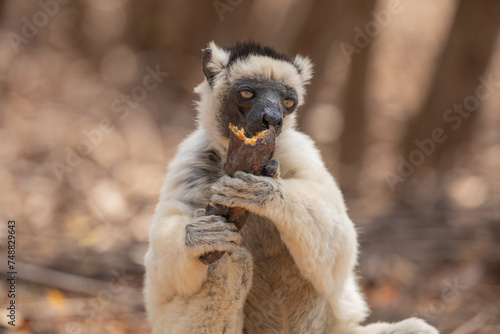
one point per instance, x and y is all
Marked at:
(96, 95)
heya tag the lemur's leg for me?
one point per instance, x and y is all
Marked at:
(218, 307)
(182, 294)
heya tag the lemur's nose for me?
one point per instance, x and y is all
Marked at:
(271, 117)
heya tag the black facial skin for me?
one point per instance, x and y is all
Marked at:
(257, 113)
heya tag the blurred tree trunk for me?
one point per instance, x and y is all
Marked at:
(352, 139)
(291, 32)
(170, 24)
(233, 24)
(193, 38)
(323, 41)
(171, 27)
(321, 27)
(451, 109)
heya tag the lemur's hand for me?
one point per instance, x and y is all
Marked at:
(272, 169)
(210, 233)
(248, 191)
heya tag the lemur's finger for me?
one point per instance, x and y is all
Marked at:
(271, 169)
(198, 249)
(231, 188)
(249, 202)
(221, 199)
(255, 183)
(232, 194)
(211, 224)
(246, 176)
(233, 182)
(199, 213)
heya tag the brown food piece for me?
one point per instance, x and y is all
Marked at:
(249, 155)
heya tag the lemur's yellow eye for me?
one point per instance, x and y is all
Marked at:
(246, 94)
(288, 103)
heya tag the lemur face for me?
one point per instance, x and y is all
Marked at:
(252, 87)
(255, 104)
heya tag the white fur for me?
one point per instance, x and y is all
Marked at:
(293, 270)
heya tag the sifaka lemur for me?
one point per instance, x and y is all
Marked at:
(291, 269)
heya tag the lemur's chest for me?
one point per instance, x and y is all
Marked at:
(280, 300)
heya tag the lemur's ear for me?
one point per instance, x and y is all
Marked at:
(305, 68)
(214, 60)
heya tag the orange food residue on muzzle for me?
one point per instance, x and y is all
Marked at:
(241, 135)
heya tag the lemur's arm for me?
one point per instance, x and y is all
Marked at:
(179, 234)
(306, 206)
(171, 270)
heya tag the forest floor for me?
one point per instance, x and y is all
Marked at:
(410, 265)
